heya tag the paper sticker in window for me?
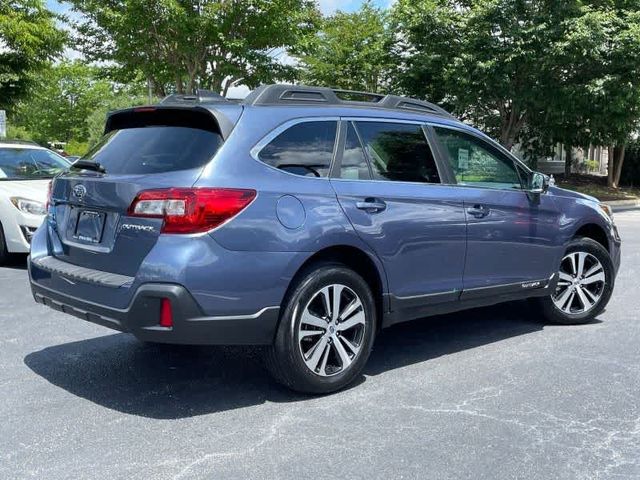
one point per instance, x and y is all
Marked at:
(463, 159)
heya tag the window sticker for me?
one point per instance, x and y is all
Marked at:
(463, 159)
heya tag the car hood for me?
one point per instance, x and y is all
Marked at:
(29, 189)
(561, 192)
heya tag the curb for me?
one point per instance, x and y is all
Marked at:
(622, 205)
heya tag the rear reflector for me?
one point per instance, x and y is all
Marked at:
(191, 210)
(166, 313)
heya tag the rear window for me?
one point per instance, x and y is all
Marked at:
(149, 140)
(155, 149)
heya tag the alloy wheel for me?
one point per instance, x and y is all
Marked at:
(580, 285)
(331, 330)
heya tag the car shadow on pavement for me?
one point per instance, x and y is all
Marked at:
(170, 381)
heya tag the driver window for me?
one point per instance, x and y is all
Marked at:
(476, 163)
(304, 149)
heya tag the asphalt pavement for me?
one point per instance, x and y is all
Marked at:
(484, 394)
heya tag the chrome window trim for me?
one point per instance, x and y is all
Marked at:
(269, 137)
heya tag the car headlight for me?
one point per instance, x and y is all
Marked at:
(606, 209)
(29, 206)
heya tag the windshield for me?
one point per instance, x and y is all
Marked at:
(30, 164)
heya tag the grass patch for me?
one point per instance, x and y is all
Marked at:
(596, 186)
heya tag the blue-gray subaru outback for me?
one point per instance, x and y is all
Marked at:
(306, 220)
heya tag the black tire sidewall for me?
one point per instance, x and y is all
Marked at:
(286, 344)
(4, 253)
(554, 314)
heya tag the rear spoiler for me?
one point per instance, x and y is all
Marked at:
(217, 117)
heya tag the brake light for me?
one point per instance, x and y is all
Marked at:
(191, 210)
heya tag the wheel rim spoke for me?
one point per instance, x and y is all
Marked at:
(586, 304)
(350, 346)
(331, 330)
(562, 300)
(350, 309)
(335, 306)
(326, 301)
(581, 258)
(310, 333)
(316, 353)
(598, 277)
(309, 319)
(342, 353)
(356, 319)
(565, 277)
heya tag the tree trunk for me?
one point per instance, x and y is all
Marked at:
(619, 152)
(568, 161)
(610, 169)
(179, 85)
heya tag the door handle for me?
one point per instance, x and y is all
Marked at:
(479, 211)
(371, 205)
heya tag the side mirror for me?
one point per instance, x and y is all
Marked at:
(538, 183)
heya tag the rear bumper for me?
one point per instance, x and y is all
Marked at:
(141, 317)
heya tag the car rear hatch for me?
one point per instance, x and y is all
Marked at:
(144, 148)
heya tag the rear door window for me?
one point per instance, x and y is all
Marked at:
(304, 149)
(398, 152)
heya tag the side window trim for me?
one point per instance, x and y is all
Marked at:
(344, 121)
(266, 140)
(501, 151)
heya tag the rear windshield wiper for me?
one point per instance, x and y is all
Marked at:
(88, 165)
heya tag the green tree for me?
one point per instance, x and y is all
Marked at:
(532, 71)
(490, 61)
(195, 43)
(58, 108)
(350, 51)
(596, 82)
(29, 40)
(97, 118)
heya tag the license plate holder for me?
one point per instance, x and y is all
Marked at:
(90, 226)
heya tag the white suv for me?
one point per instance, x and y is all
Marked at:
(25, 172)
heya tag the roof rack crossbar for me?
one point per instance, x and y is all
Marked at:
(301, 95)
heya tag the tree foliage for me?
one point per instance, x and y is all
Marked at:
(29, 40)
(554, 71)
(195, 43)
(350, 51)
(65, 97)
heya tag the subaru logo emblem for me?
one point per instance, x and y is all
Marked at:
(79, 191)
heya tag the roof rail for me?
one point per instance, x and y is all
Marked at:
(304, 95)
(201, 96)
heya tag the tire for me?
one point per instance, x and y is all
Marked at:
(4, 253)
(296, 349)
(567, 307)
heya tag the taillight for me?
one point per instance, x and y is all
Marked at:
(191, 210)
